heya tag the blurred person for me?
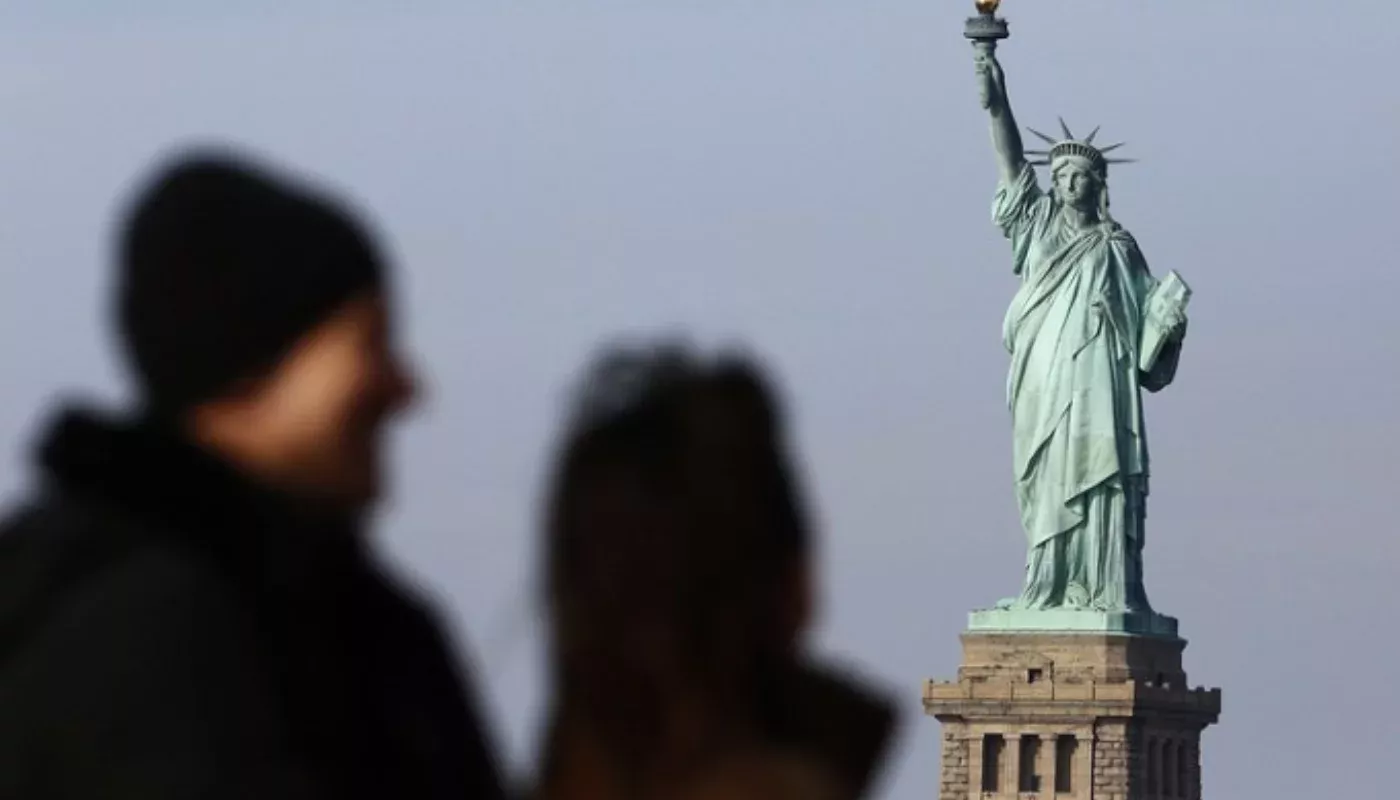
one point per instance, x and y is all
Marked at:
(189, 607)
(678, 580)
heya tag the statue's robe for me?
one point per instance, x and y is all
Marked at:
(1074, 389)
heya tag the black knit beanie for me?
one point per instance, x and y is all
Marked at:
(222, 268)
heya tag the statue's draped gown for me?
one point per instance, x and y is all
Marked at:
(1074, 391)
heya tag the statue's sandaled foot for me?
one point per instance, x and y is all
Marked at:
(1076, 596)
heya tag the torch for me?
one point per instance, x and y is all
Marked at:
(986, 29)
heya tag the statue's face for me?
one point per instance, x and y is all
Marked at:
(1076, 184)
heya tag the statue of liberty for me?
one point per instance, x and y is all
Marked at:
(1087, 331)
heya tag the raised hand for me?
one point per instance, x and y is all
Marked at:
(990, 80)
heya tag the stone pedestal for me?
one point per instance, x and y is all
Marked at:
(1070, 715)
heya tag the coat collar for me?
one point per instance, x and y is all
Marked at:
(147, 472)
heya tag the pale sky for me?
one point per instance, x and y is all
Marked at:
(812, 177)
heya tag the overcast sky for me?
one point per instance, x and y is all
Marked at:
(812, 177)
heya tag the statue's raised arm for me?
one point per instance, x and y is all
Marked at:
(1011, 157)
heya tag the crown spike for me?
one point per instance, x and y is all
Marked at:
(1072, 147)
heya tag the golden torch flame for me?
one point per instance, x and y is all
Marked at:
(987, 6)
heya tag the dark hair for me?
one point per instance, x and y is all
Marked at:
(675, 420)
(697, 445)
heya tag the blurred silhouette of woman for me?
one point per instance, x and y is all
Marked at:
(676, 572)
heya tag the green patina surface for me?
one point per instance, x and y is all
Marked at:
(1088, 331)
(1074, 620)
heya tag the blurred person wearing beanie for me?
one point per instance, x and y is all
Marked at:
(189, 607)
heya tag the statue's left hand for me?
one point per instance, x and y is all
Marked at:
(1178, 327)
(1173, 321)
(1169, 317)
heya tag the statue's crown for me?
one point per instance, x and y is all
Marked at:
(1070, 147)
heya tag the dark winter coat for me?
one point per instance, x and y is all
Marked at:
(168, 631)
